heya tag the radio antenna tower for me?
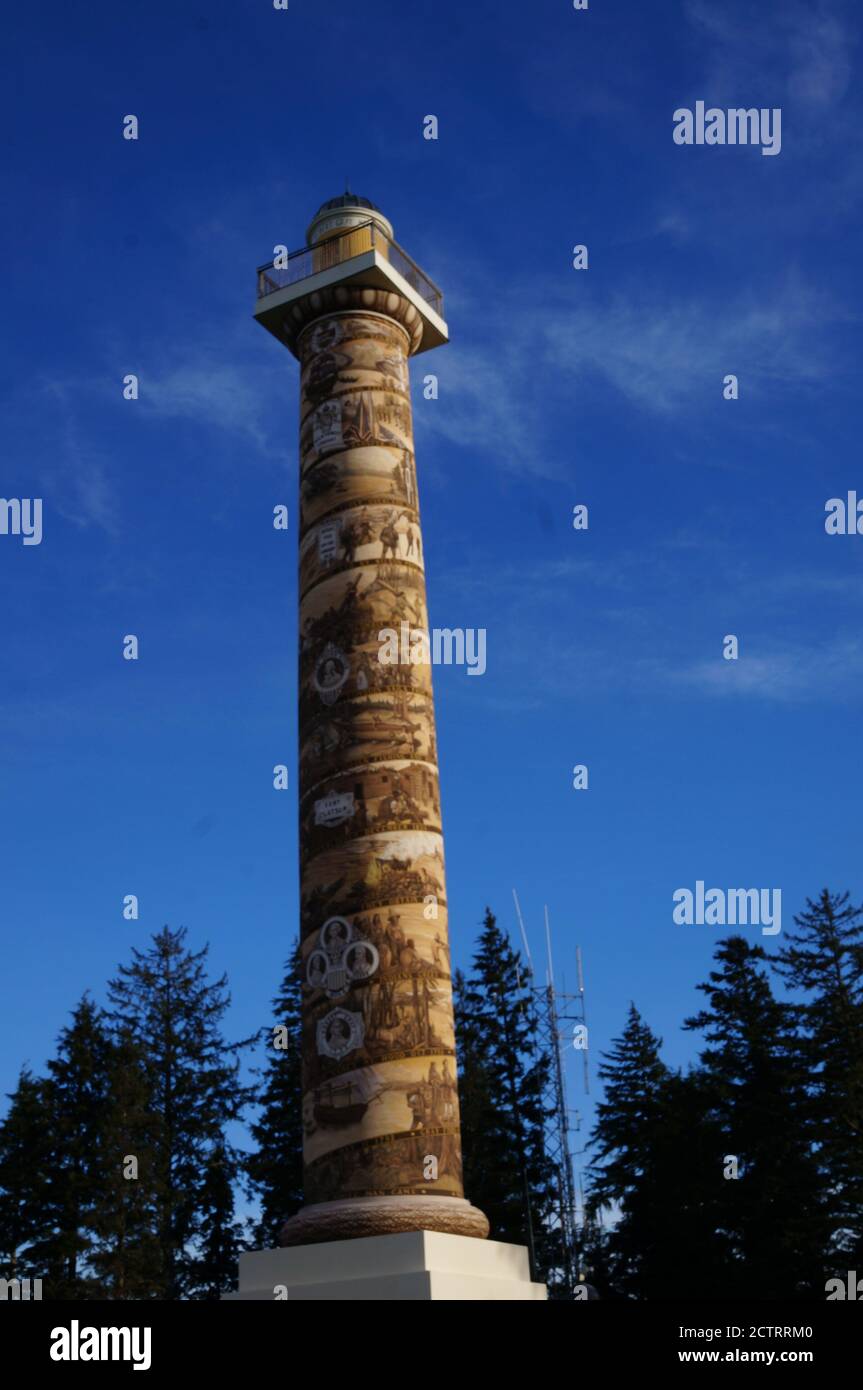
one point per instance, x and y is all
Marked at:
(562, 1021)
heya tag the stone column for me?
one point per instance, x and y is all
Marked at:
(382, 1148)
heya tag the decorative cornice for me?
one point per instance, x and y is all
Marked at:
(350, 299)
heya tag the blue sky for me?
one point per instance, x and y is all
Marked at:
(602, 387)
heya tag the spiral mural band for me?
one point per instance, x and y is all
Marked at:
(380, 1105)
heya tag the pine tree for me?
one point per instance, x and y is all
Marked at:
(824, 961)
(755, 1084)
(275, 1168)
(503, 1076)
(165, 1004)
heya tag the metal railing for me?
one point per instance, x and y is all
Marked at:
(338, 250)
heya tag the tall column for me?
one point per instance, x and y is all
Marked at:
(382, 1149)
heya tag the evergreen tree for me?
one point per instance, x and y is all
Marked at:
(772, 1213)
(165, 1004)
(692, 1257)
(126, 1257)
(503, 1077)
(654, 1175)
(824, 961)
(78, 1094)
(25, 1166)
(61, 1182)
(222, 1235)
(593, 1261)
(474, 1086)
(625, 1173)
(275, 1167)
(476, 1097)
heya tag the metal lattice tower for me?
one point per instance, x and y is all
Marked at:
(562, 1019)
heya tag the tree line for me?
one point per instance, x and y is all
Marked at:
(125, 1167)
(741, 1177)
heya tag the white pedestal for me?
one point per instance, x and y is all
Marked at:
(418, 1266)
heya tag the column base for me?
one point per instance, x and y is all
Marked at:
(412, 1266)
(353, 1217)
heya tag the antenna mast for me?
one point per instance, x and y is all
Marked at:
(562, 1023)
(523, 932)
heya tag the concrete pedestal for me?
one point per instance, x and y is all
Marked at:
(414, 1266)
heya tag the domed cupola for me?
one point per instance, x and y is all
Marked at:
(342, 213)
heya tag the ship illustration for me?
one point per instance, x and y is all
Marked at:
(339, 1104)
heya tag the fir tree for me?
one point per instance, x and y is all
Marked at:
(222, 1237)
(625, 1177)
(504, 1074)
(275, 1168)
(692, 1257)
(165, 1004)
(78, 1093)
(755, 1086)
(25, 1167)
(475, 1093)
(824, 961)
(474, 1088)
(126, 1257)
(61, 1152)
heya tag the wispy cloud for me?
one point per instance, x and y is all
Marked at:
(660, 353)
(651, 625)
(820, 50)
(71, 469)
(803, 47)
(788, 673)
(219, 394)
(486, 405)
(231, 392)
(668, 223)
(656, 352)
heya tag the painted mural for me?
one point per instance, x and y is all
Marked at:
(380, 1110)
(393, 724)
(371, 799)
(371, 535)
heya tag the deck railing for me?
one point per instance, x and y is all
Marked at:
(338, 250)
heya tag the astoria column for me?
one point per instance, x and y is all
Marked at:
(382, 1149)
